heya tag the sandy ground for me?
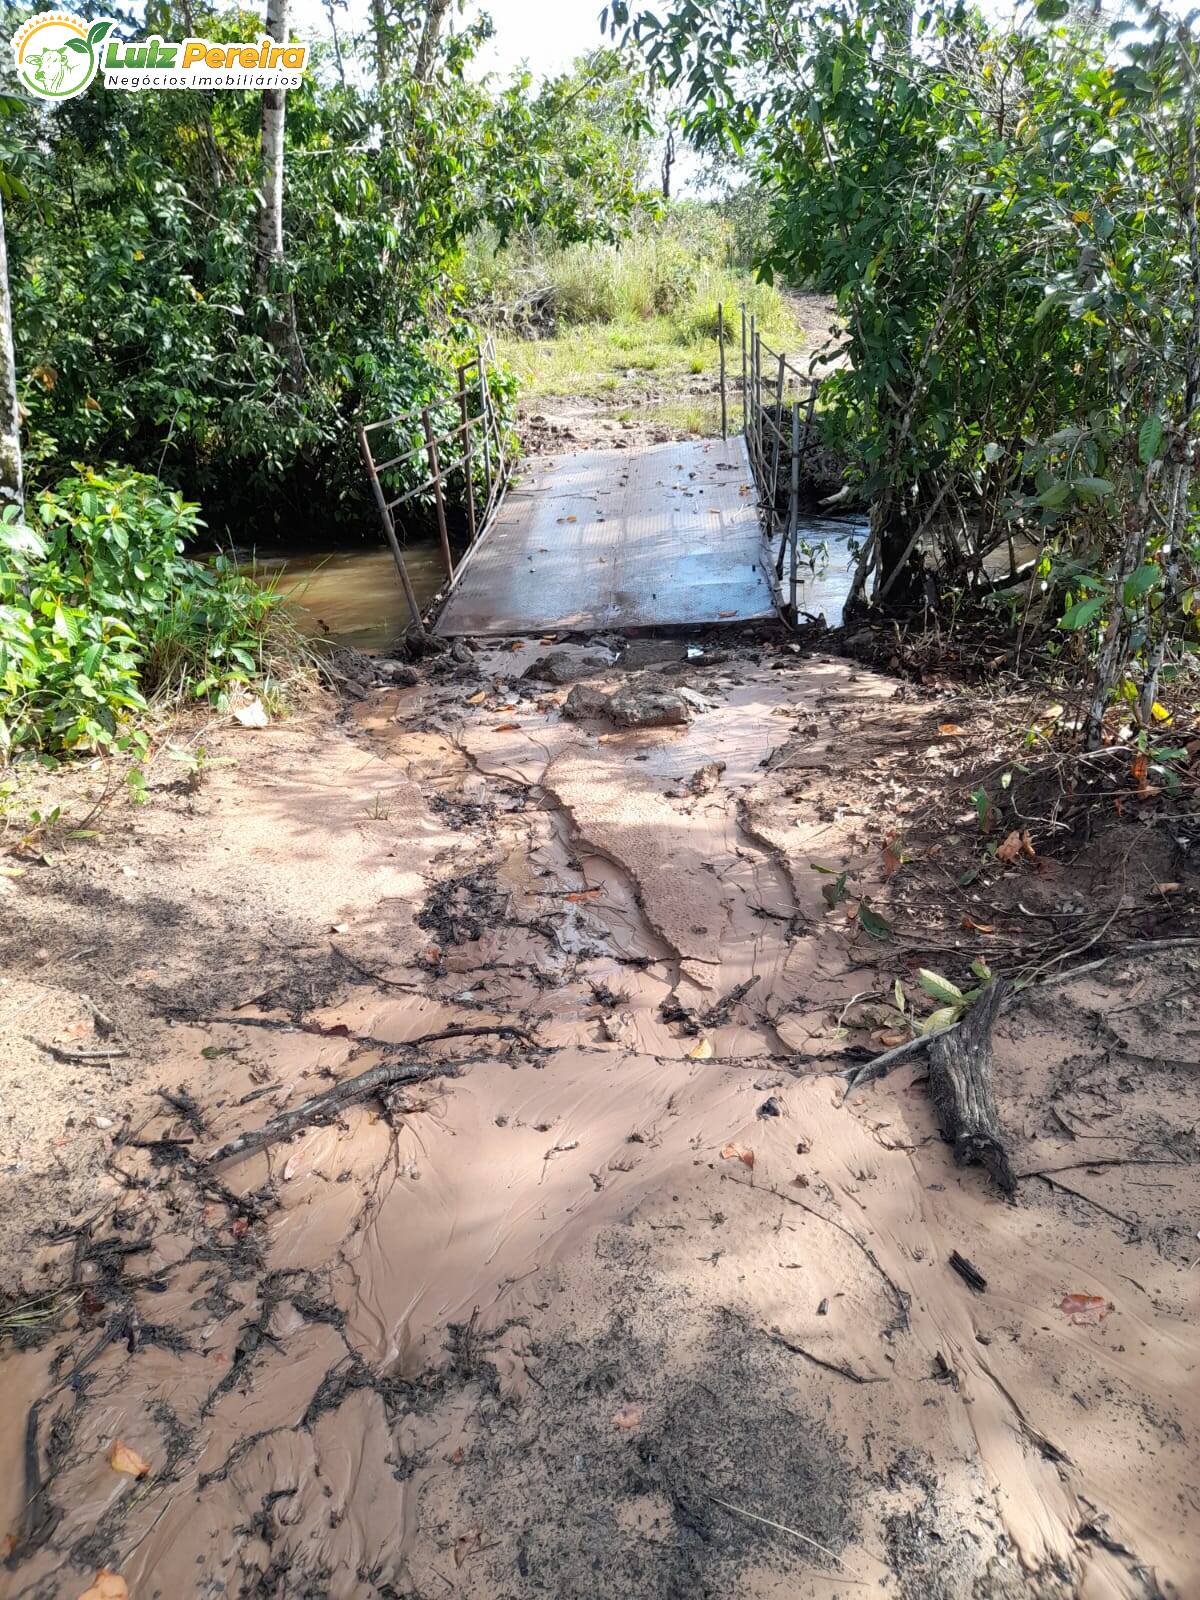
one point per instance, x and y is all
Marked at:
(621, 1293)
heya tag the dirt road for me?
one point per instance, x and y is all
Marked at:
(616, 1292)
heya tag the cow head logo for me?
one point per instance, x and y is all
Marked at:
(58, 54)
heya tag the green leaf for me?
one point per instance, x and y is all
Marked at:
(939, 988)
(871, 922)
(1150, 436)
(97, 31)
(78, 46)
(1082, 612)
(944, 1017)
(1094, 488)
(1141, 582)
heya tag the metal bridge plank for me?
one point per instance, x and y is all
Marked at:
(663, 536)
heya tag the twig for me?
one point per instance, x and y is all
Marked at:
(779, 1527)
(1078, 1194)
(79, 1057)
(321, 1107)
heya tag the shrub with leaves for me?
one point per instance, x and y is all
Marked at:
(100, 608)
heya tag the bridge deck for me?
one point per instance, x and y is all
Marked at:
(663, 536)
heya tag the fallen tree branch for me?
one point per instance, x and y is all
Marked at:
(960, 1086)
(322, 1107)
(880, 1066)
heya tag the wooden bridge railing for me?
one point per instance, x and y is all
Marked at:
(464, 464)
(775, 393)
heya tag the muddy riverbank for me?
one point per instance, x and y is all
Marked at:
(612, 1290)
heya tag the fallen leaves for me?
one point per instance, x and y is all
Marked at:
(106, 1586)
(467, 1544)
(629, 1416)
(477, 699)
(702, 1050)
(737, 1152)
(507, 727)
(577, 895)
(1017, 844)
(977, 927)
(871, 922)
(121, 1458)
(1084, 1310)
(949, 728)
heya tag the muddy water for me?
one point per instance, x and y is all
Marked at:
(354, 596)
(825, 584)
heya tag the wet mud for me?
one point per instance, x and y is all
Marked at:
(613, 1291)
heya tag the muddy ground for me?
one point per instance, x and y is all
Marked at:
(617, 1290)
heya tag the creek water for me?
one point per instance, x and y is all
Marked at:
(354, 596)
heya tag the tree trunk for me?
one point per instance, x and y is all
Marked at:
(282, 331)
(668, 162)
(331, 9)
(12, 489)
(435, 16)
(379, 27)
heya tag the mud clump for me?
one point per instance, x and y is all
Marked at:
(564, 666)
(642, 707)
(462, 909)
(584, 704)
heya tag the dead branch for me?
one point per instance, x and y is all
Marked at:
(960, 1085)
(323, 1107)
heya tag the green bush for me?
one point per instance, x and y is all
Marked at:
(100, 608)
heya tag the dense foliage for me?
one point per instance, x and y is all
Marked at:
(141, 332)
(100, 607)
(1007, 217)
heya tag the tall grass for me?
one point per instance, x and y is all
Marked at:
(682, 266)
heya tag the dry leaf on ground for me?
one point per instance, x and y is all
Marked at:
(736, 1152)
(122, 1459)
(701, 1051)
(1084, 1310)
(1017, 844)
(466, 1544)
(628, 1416)
(106, 1586)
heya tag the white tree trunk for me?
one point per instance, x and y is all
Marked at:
(270, 216)
(283, 334)
(11, 482)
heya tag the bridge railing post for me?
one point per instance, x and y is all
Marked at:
(721, 344)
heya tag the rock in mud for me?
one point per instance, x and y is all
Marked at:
(706, 778)
(564, 666)
(584, 703)
(642, 707)
(398, 674)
